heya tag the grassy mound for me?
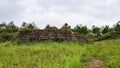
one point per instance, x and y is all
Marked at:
(110, 35)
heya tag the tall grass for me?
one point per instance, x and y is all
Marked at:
(58, 54)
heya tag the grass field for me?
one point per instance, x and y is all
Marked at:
(59, 54)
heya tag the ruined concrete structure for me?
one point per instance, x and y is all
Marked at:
(42, 35)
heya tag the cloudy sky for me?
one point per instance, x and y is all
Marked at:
(58, 12)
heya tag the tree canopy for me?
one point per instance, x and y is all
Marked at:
(7, 30)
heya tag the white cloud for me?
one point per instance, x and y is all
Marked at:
(57, 12)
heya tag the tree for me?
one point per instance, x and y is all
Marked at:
(28, 25)
(66, 26)
(11, 25)
(117, 27)
(48, 27)
(24, 25)
(35, 27)
(54, 28)
(3, 25)
(96, 31)
(81, 29)
(106, 29)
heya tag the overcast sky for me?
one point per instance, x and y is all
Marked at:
(58, 12)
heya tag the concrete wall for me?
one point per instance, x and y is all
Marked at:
(56, 35)
(40, 35)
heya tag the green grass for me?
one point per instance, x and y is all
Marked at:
(59, 54)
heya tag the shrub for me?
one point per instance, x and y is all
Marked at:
(5, 37)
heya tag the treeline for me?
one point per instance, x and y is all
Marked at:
(8, 31)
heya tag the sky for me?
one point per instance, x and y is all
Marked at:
(58, 12)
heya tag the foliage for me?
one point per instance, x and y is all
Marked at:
(26, 26)
(66, 26)
(5, 37)
(11, 25)
(117, 27)
(59, 54)
(81, 30)
(3, 25)
(96, 31)
(105, 29)
(109, 35)
(48, 27)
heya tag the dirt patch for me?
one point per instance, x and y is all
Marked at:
(95, 63)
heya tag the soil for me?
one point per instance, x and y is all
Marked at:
(95, 63)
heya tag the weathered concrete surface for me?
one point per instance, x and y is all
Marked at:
(41, 35)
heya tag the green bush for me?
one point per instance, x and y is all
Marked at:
(110, 35)
(8, 37)
(5, 37)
